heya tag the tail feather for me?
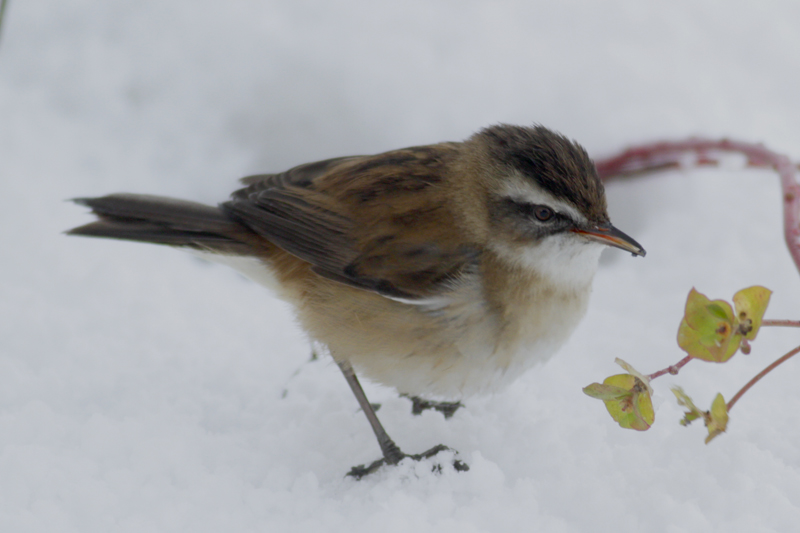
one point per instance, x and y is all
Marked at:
(159, 220)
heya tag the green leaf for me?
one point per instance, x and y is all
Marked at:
(717, 418)
(606, 392)
(693, 413)
(751, 303)
(718, 311)
(630, 370)
(635, 410)
(708, 330)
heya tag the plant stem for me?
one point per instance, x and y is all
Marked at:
(785, 323)
(760, 375)
(661, 155)
(671, 369)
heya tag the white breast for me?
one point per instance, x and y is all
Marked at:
(453, 347)
(481, 348)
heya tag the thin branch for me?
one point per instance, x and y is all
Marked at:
(784, 323)
(760, 375)
(658, 156)
(674, 369)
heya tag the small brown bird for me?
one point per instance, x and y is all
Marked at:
(443, 270)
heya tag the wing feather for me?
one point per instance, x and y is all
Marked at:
(378, 223)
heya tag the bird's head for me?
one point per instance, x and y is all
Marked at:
(546, 206)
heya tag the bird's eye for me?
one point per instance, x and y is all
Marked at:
(543, 213)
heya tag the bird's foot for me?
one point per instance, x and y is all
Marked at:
(361, 470)
(420, 404)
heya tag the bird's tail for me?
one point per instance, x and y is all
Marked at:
(160, 220)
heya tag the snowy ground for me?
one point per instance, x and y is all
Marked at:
(143, 390)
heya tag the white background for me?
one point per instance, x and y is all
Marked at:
(143, 390)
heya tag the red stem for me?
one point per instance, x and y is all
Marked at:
(674, 369)
(786, 323)
(656, 156)
(760, 375)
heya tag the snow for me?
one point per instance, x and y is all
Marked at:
(144, 390)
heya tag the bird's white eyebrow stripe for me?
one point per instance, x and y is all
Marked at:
(520, 189)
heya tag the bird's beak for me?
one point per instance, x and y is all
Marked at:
(611, 236)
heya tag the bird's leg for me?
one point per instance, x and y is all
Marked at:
(391, 451)
(418, 405)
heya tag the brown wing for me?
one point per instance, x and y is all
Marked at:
(381, 223)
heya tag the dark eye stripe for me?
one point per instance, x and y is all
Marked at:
(540, 212)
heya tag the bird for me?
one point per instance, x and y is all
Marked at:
(444, 271)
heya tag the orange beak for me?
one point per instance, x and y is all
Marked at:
(611, 236)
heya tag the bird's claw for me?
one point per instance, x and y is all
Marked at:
(360, 471)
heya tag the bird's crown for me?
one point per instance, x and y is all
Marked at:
(557, 165)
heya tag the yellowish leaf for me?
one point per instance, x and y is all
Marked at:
(683, 399)
(606, 392)
(708, 330)
(634, 411)
(630, 370)
(751, 303)
(717, 418)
